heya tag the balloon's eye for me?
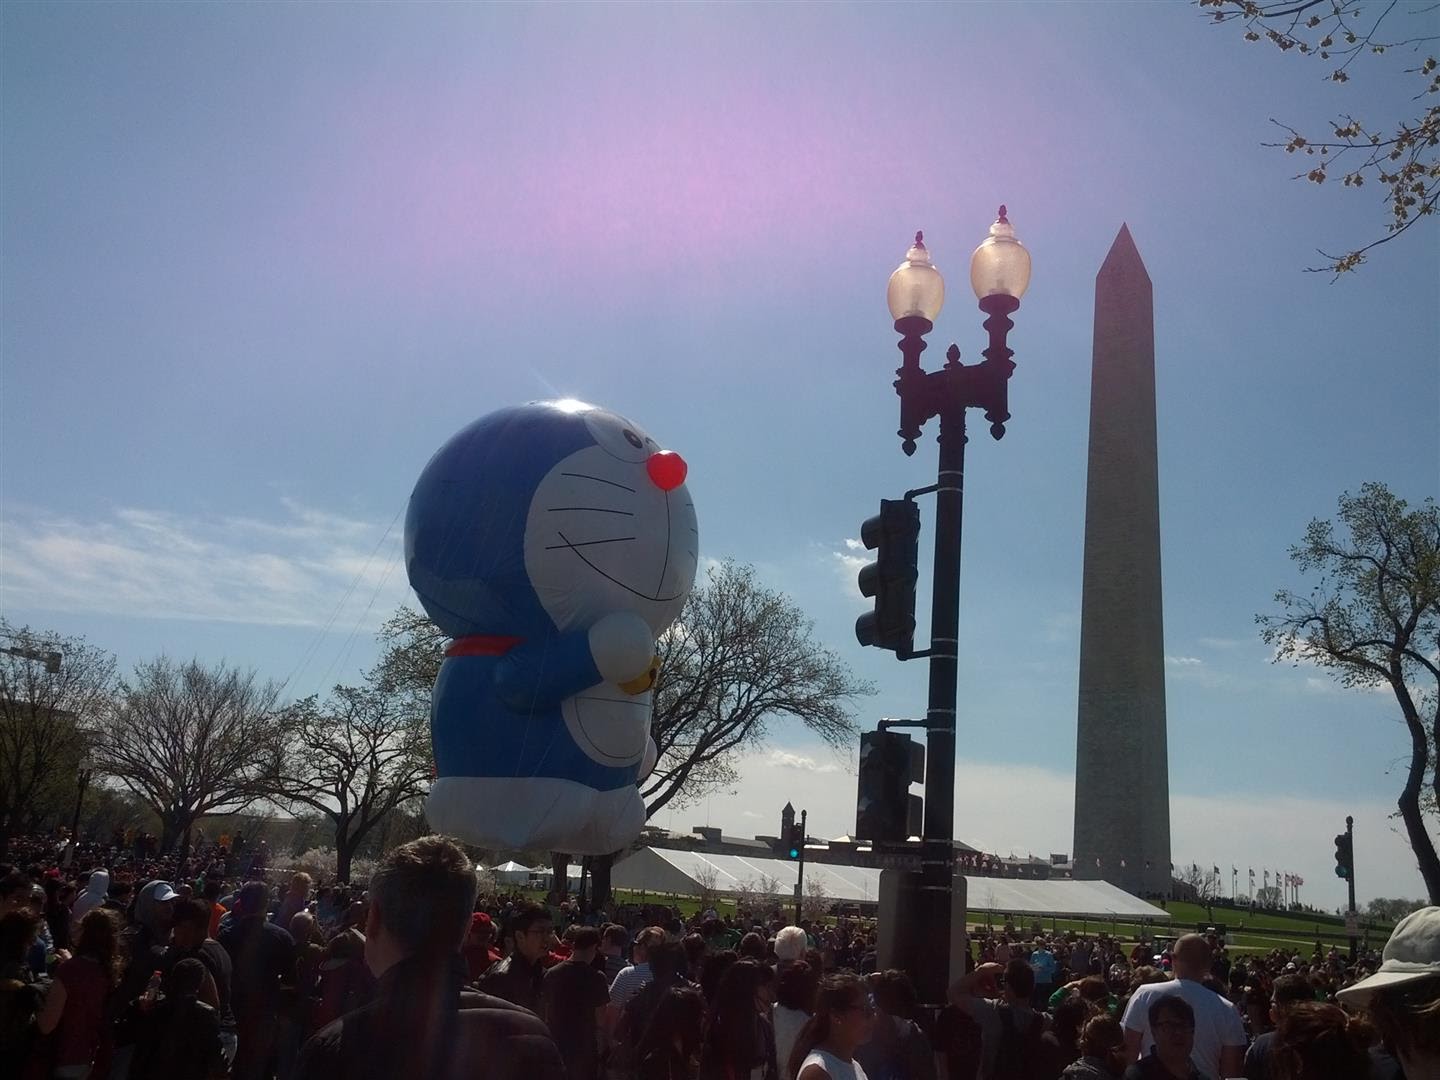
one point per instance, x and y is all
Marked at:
(633, 439)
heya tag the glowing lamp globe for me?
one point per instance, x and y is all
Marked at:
(1000, 265)
(916, 287)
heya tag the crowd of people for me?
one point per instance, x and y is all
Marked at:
(125, 963)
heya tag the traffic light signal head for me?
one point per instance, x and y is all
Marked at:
(894, 536)
(884, 806)
(793, 842)
(1344, 856)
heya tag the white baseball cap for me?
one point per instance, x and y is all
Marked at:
(1411, 954)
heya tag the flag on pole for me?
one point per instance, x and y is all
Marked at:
(1215, 870)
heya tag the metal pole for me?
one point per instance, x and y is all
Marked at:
(1350, 831)
(937, 858)
(75, 822)
(800, 872)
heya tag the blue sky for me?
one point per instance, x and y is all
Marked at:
(260, 261)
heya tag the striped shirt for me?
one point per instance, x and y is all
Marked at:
(628, 983)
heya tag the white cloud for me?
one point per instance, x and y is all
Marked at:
(1024, 808)
(1183, 661)
(783, 759)
(305, 567)
(846, 561)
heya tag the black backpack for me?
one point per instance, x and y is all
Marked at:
(1018, 1055)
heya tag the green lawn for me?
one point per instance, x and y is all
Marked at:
(1249, 933)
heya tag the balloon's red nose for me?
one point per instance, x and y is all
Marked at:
(667, 470)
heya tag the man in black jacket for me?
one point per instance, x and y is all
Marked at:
(423, 1024)
(520, 977)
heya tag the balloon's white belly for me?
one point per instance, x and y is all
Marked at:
(611, 726)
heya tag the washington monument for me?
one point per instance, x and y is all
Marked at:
(1122, 772)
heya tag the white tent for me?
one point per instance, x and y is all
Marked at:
(679, 872)
(511, 873)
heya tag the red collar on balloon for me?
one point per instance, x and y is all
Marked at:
(482, 645)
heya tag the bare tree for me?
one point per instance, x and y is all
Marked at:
(1398, 153)
(51, 688)
(739, 660)
(707, 882)
(757, 896)
(354, 758)
(1205, 882)
(748, 901)
(1373, 620)
(816, 901)
(190, 740)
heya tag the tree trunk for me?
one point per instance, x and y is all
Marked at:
(560, 864)
(344, 856)
(1409, 801)
(172, 826)
(600, 881)
(345, 846)
(1420, 841)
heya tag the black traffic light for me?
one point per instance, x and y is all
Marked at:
(884, 808)
(795, 842)
(894, 536)
(1344, 856)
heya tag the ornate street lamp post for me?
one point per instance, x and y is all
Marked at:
(999, 274)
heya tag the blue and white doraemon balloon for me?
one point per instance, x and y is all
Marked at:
(553, 542)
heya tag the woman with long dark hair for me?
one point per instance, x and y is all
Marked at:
(739, 1043)
(668, 1049)
(75, 1006)
(844, 1016)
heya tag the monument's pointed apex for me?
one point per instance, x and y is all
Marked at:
(1124, 257)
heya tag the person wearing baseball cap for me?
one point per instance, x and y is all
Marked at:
(1403, 996)
(479, 948)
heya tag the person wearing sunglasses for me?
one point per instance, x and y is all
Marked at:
(843, 1019)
